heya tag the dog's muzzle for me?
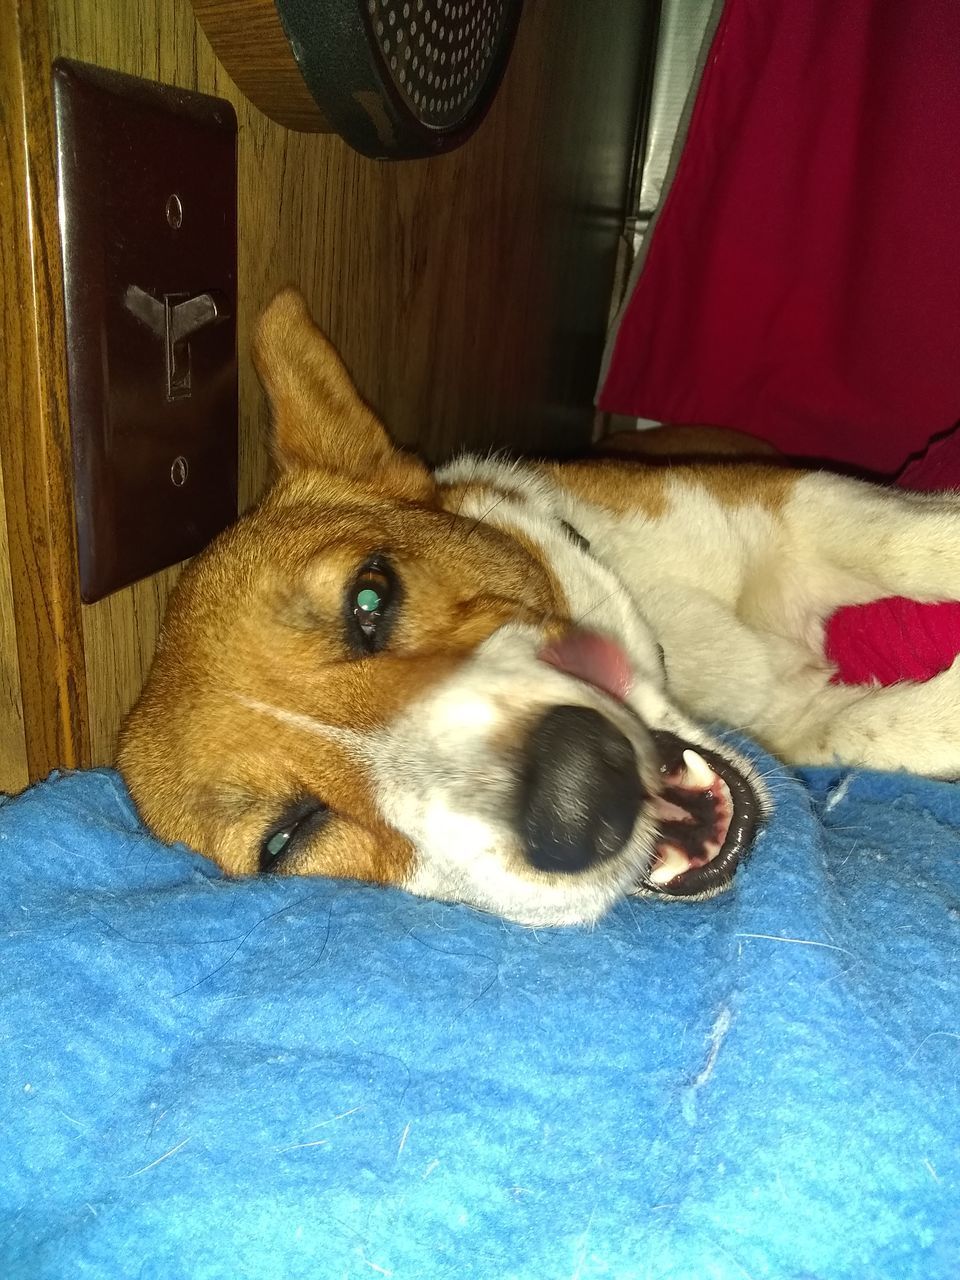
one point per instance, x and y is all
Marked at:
(581, 792)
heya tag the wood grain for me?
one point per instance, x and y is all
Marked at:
(251, 44)
(468, 292)
(35, 424)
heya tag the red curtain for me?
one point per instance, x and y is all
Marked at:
(802, 282)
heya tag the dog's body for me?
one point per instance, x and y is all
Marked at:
(489, 684)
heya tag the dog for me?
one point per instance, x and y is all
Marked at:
(490, 683)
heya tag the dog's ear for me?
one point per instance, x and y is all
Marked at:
(319, 418)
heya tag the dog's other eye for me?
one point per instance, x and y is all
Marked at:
(299, 820)
(370, 606)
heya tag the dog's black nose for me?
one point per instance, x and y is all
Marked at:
(579, 793)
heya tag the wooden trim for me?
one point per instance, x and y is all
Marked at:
(248, 38)
(34, 415)
(13, 749)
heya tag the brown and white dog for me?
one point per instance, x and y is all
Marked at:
(489, 683)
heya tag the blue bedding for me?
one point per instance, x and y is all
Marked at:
(294, 1078)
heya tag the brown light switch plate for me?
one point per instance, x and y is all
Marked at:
(148, 210)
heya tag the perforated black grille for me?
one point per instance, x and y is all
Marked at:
(439, 53)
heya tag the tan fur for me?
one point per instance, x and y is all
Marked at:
(614, 486)
(627, 486)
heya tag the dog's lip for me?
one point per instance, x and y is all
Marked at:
(713, 875)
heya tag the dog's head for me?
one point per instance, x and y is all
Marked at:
(366, 678)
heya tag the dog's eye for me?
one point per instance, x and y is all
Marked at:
(370, 605)
(301, 819)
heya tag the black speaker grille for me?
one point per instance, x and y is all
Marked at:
(438, 54)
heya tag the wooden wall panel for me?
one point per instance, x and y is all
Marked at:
(448, 284)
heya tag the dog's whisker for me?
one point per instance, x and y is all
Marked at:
(603, 600)
(483, 515)
(465, 489)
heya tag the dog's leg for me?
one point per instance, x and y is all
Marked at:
(834, 541)
(846, 542)
(910, 726)
(778, 689)
(883, 541)
(775, 688)
(738, 567)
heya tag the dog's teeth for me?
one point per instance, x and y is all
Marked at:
(671, 862)
(698, 771)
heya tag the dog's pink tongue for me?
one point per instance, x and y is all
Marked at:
(593, 658)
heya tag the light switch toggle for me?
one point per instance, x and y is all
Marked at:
(175, 318)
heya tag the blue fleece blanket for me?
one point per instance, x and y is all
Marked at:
(293, 1078)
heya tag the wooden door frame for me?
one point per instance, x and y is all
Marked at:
(34, 413)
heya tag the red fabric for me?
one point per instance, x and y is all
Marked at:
(801, 282)
(892, 640)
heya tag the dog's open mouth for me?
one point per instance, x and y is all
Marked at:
(707, 815)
